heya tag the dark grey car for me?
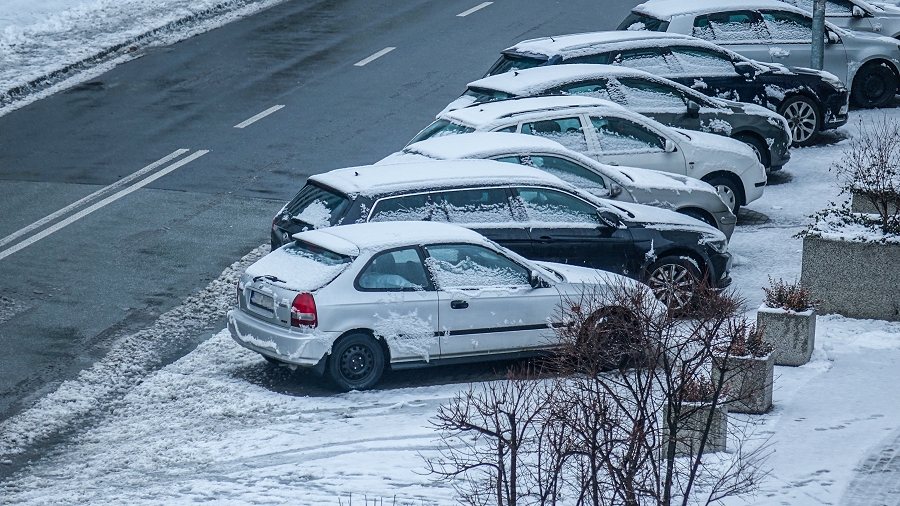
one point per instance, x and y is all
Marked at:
(665, 101)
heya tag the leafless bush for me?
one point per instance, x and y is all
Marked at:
(786, 295)
(631, 379)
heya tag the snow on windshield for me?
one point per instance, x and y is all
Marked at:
(300, 266)
(316, 214)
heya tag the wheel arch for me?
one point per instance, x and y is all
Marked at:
(734, 179)
(711, 220)
(751, 132)
(677, 251)
(875, 60)
(371, 333)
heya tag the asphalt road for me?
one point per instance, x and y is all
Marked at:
(72, 286)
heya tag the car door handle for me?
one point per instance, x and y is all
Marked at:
(458, 304)
(545, 239)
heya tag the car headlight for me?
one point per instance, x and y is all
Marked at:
(717, 244)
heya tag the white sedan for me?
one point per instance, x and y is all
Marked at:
(350, 301)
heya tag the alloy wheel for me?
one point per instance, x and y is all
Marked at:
(801, 118)
(672, 284)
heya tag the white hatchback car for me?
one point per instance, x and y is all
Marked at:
(350, 301)
(682, 194)
(613, 135)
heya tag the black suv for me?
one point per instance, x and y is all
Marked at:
(524, 209)
(810, 100)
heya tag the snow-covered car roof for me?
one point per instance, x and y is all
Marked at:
(568, 44)
(492, 112)
(350, 240)
(372, 180)
(537, 79)
(665, 9)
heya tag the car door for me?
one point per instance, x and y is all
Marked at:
(659, 101)
(394, 288)
(565, 129)
(486, 302)
(621, 141)
(791, 42)
(567, 229)
(713, 73)
(741, 31)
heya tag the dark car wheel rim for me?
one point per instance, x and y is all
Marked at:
(801, 118)
(673, 284)
(874, 88)
(357, 363)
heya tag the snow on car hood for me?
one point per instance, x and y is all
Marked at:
(294, 270)
(662, 219)
(584, 275)
(653, 179)
(715, 142)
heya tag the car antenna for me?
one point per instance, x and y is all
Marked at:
(552, 39)
(355, 173)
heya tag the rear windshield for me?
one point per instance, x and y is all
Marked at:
(509, 62)
(317, 206)
(440, 128)
(316, 253)
(638, 21)
(482, 95)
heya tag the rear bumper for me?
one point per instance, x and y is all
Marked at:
(303, 347)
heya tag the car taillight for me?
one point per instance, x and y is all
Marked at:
(303, 311)
(274, 221)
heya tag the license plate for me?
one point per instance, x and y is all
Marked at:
(262, 300)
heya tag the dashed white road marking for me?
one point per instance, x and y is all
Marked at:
(108, 200)
(127, 179)
(258, 117)
(375, 56)
(473, 9)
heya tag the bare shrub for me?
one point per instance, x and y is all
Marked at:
(786, 295)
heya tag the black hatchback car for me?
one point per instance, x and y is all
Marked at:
(810, 100)
(524, 209)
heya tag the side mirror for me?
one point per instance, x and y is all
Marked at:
(693, 109)
(614, 190)
(745, 69)
(670, 146)
(536, 281)
(833, 38)
(858, 12)
(608, 218)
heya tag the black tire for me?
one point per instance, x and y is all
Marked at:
(730, 192)
(701, 215)
(874, 86)
(804, 119)
(356, 362)
(674, 281)
(759, 147)
(611, 335)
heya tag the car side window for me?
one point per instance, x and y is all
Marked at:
(730, 27)
(596, 89)
(643, 95)
(788, 27)
(472, 266)
(566, 131)
(842, 8)
(545, 205)
(476, 205)
(647, 59)
(619, 135)
(397, 270)
(569, 172)
(420, 207)
(703, 61)
(599, 59)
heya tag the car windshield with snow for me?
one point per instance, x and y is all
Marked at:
(775, 32)
(351, 301)
(666, 101)
(533, 213)
(810, 100)
(611, 134)
(683, 194)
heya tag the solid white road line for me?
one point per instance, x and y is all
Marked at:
(108, 200)
(375, 56)
(127, 179)
(473, 9)
(259, 116)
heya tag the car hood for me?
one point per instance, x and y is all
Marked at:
(584, 275)
(714, 143)
(662, 219)
(653, 179)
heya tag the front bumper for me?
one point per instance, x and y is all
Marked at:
(837, 110)
(303, 347)
(725, 222)
(721, 269)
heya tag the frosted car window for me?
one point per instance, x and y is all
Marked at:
(638, 21)
(471, 266)
(648, 60)
(482, 95)
(509, 62)
(618, 135)
(703, 62)
(566, 131)
(644, 95)
(317, 206)
(569, 172)
(730, 27)
(440, 128)
(788, 27)
(419, 207)
(599, 59)
(477, 205)
(596, 89)
(832, 7)
(394, 270)
(551, 206)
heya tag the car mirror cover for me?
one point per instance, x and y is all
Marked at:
(693, 108)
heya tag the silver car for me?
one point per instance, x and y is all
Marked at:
(858, 15)
(354, 300)
(683, 194)
(770, 30)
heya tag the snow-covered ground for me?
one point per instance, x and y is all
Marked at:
(211, 427)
